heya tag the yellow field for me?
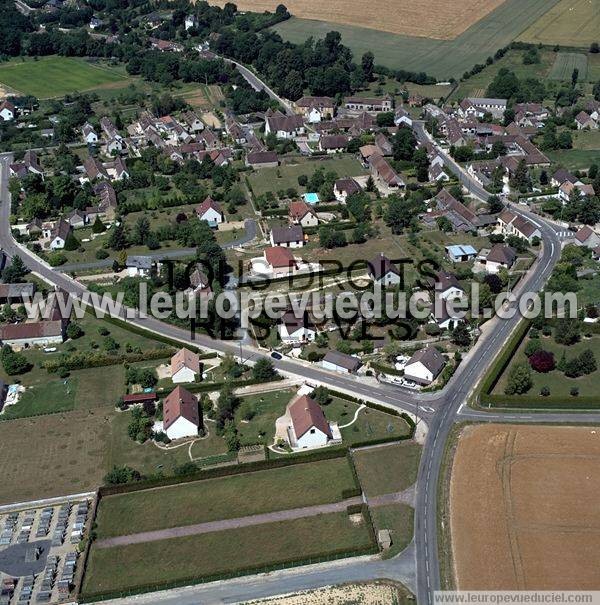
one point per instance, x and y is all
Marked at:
(569, 23)
(437, 19)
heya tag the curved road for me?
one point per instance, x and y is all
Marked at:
(443, 410)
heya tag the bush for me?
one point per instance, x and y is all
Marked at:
(574, 391)
(56, 259)
(533, 346)
(263, 370)
(545, 392)
(14, 363)
(121, 474)
(542, 361)
(101, 254)
(74, 331)
(519, 380)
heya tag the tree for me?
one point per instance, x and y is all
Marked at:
(367, 63)
(574, 77)
(74, 331)
(118, 238)
(495, 205)
(533, 346)
(263, 370)
(15, 272)
(461, 335)
(98, 226)
(542, 361)
(121, 474)
(227, 403)
(401, 213)
(71, 243)
(14, 363)
(519, 380)
(567, 331)
(404, 144)
(230, 435)
(321, 395)
(594, 48)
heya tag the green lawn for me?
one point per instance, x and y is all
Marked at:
(440, 58)
(286, 176)
(575, 159)
(389, 469)
(54, 396)
(227, 497)
(55, 76)
(556, 381)
(236, 550)
(269, 407)
(399, 519)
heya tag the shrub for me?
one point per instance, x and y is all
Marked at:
(542, 361)
(263, 370)
(574, 391)
(102, 254)
(74, 331)
(545, 392)
(56, 259)
(532, 347)
(519, 380)
(14, 363)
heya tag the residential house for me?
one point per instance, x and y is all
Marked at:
(280, 260)
(461, 218)
(107, 200)
(200, 282)
(209, 139)
(190, 22)
(343, 188)
(587, 237)
(498, 257)
(510, 223)
(37, 333)
(294, 330)
(561, 176)
(59, 234)
(139, 266)
(90, 136)
(461, 253)
(370, 105)
(300, 213)
(585, 122)
(568, 192)
(383, 144)
(425, 366)
(262, 159)
(211, 212)
(165, 45)
(77, 218)
(7, 111)
(185, 366)
(308, 426)
(287, 237)
(477, 108)
(447, 286)
(283, 126)
(384, 173)
(333, 143)
(29, 165)
(182, 416)
(340, 362)
(192, 121)
(315, 109)
(383, 272)
(437, 174)
(402, 118)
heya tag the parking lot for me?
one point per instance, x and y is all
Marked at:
(39, 552)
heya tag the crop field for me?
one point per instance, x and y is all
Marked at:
(568, 23)
(565, 63)
(439, 20)
(51, 77)
(442, 58)
(523, 508)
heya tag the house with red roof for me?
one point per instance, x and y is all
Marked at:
(182, 416)
(308, 427)
(185, 366)
(211, 212)
(281, 261)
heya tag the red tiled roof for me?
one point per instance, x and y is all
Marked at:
(180, 403)
(184, 358)
(278, 257)
(306, 414)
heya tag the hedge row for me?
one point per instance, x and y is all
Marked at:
(81, 361)
(386, 369)
(204, 387)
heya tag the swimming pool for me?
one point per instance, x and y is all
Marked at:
(311, 198)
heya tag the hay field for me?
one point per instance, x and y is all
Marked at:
(565, 63)
(523, 508)
(434, 19)
(440, 58)
(569, 23)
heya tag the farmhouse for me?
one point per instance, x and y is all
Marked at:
(343, 188)
(384, 173)
(300, 213)
(425, 366)
(182, 416)
(287, 237)
(333, 143)
(477, 108)
(383, 272)
(284, 127)
(185, 366)
(371, 105)
(340, 362)
(37, 333)
(308, 427)
(211, 212)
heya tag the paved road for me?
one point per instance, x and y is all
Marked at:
(250, 229)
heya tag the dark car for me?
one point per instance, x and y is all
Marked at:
(276, 355)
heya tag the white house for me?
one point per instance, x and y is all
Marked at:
(181, 414)
(308, 426)
(447, 286)
(284, 127)
(280, 260)
(587, 237)
(383, 272)
(59, 234)
(7, 111)
(498, 257)
(190, 22)
(90, 136)
(185, 366)
(512, 224)
(139, 266)
(287, 237)
(293, 330)
(402, 117)
(300, 213)
(340, 362)
(210, 211)
(425, 366)
(344, 188)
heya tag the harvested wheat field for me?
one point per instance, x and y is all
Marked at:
(524, 511)
(437, 19)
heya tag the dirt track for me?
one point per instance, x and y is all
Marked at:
(524, 508)
(429, 19)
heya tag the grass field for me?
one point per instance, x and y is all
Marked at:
(56, 76)
(286, 175)
(229, 551)
(225, 498)
(556, 381)
(399, 519)
(585, 152)
(565, 63)
(569, 23)
(440, 58)
(384, 470)
(525, 497)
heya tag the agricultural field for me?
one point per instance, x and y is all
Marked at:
(222, 552)
(568, 23)
(525, 497)
(585, 152)
(442, 58)
(565, 63)
(53, 76)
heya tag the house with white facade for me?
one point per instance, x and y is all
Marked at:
(59, 234)
(498, 257)
(139, 266)
(344, 188)
(185, 366)
(287, 237)
(211, 212)
(7, 111)
(447, 286)
(182, 416)
(294, 330)
(90, 136)
(383, 272)
(300, 213)
(425, 366)
(340, 362)
(308, 428)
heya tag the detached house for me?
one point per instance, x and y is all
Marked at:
(182, 416)
(315, 109)
(512, 224)
(447, 286)
(287, 237)
(425, 366)
(211, 212)
(308, 426)
(300, 213)
(498, 257)
(284, 127)
(7, 111)
(340, 362)
(585, 122)
(344, 188)
(185, 366)
(59, 234)
(384, 173)
(587, 237)
(383, 272)
(90, 136)
(294, 330)
(280, 260)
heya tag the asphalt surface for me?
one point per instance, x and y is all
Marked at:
(441, 410)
